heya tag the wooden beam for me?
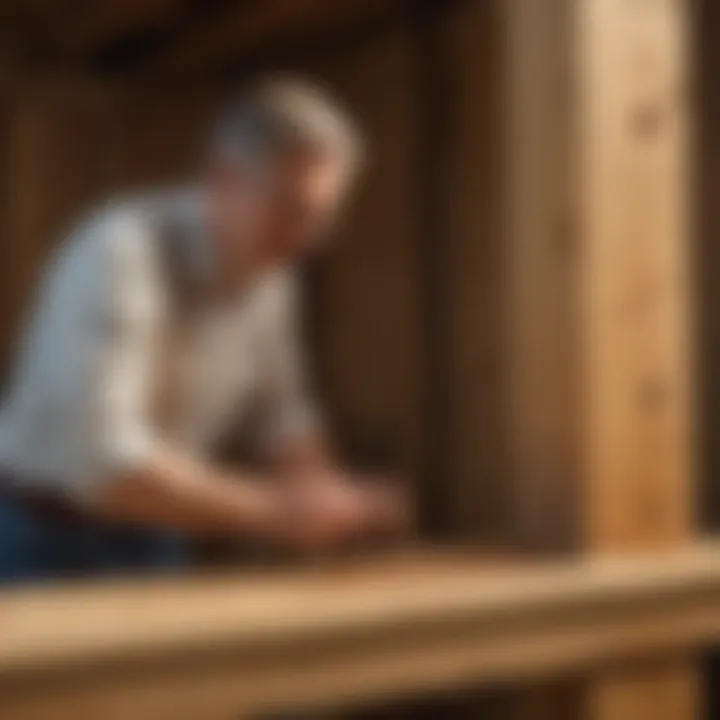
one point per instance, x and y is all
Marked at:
(435, 105)
(633, 191)
(252, 27)
(599, 342)
(597, 258)
(470, 244)
(220, 646)
(80, 35)
(541, 310)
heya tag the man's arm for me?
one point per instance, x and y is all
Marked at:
(293, 431)
(170, 489)
(130, 473)
(299, 446)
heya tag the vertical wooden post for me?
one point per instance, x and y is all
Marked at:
(598, 344)
(434, 120)
(634, 221)
(541, 252)
(635, 244)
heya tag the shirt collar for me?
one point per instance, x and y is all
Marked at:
(187, 215)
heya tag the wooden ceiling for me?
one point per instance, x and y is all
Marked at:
(176, 38)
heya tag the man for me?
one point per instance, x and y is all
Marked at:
(162, 321)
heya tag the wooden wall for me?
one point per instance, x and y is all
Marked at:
(411, 297)
(478, 448)
(367, 302)
(67, 145)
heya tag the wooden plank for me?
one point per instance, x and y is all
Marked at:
(168, 648)
(539, 269)
(367, 316)
(472, 243)
(598, 300)
(634, 195)
(598, 243)
(634, 184)
(433, 118)
(648, 690)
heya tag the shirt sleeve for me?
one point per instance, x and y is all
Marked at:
(123, 331)
(289, 409)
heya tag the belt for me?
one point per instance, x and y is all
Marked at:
(45, 504)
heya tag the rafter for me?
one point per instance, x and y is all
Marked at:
(83, 34)
(254, 24)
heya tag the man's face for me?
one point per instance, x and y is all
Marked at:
(280, 213)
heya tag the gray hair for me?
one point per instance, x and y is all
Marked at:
(281, 115)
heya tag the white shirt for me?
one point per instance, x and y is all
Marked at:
(79, 407)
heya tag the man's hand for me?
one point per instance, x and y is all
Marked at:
(319, 515)
(389, 508)
(326, 508)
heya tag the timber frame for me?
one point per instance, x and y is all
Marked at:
(413, 624)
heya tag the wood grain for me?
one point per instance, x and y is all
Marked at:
(168, 648)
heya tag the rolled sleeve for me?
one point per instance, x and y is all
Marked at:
(77, 410)
(119, 435)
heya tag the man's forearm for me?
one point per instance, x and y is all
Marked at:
(304, 456)
(174, 491)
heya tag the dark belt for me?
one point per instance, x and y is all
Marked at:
(47, 505)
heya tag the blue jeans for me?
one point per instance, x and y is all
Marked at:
(32, 548)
